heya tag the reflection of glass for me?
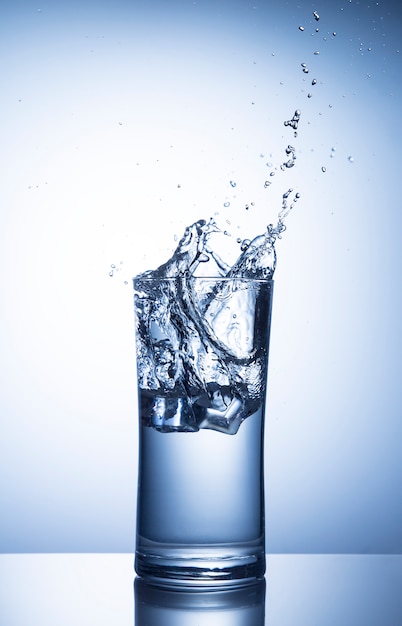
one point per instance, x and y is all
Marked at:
(202, 353)
(244, 606)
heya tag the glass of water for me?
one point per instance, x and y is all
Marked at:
(202, 357)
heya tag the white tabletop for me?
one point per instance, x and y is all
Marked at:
(98, 589)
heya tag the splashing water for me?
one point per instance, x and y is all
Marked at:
(201, 356)
(202, 326)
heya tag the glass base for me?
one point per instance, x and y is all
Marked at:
(188, 567)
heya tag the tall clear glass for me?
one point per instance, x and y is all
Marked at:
(202, 358)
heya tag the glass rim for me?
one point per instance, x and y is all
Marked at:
(228, 279)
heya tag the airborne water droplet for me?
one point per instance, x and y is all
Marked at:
(245, 244)
(323, 169)
(301, 28)
(350, 159)
(226, 204)
(232, 183)
(316, 16)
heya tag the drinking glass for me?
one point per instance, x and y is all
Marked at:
(201, 359)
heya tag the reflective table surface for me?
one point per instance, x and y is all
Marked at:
(101, 589)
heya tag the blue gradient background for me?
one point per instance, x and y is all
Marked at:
(120, 124)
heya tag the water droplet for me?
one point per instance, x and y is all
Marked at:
(316, 16)
(126, 282)
(314, 81)
(267, 184)
(113, 266)
(111, 273)
(272, 174)
(245, 244)
(334, 34)
(301, 28)
(351, 159)
(305, 70)
(309, 95)
(297, 196)
(303, 64)
(232, 183)
(226, 204)
(317, 52)
(323, 169)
